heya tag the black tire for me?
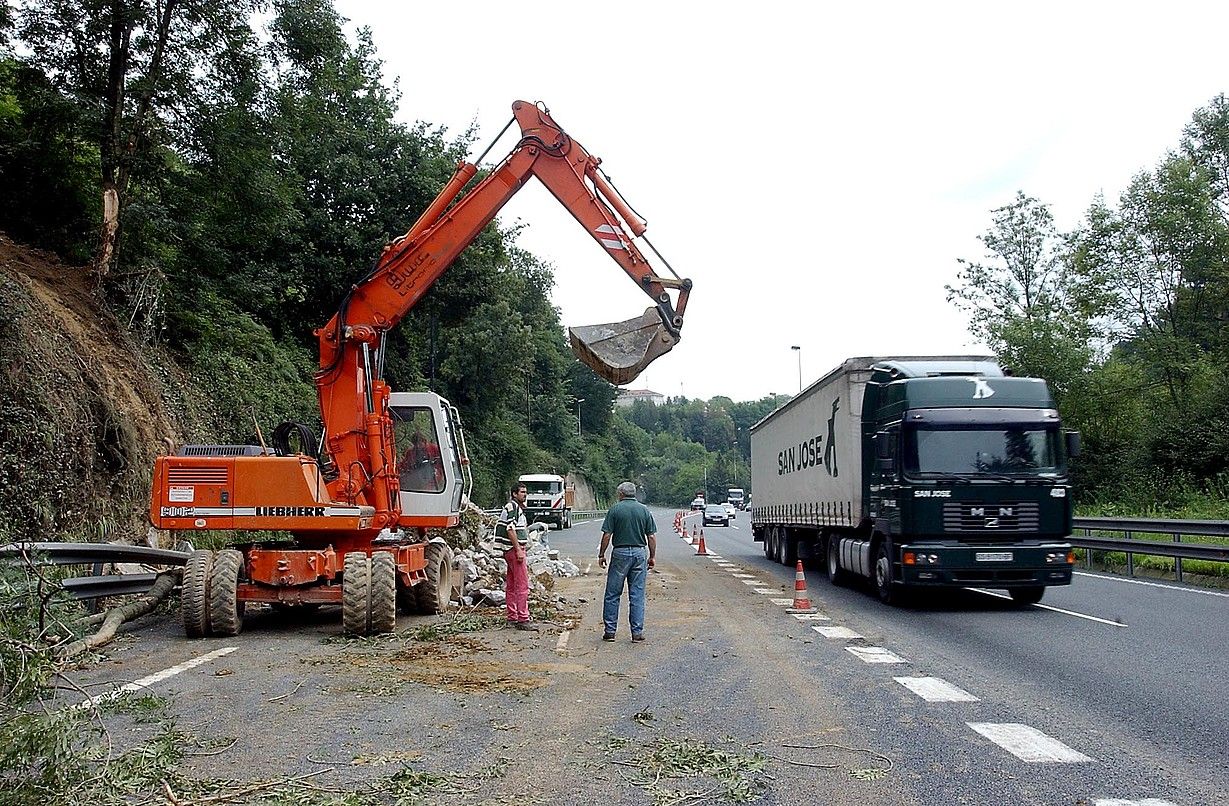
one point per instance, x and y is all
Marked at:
(779, 546)
(1027, 596)
(883, 575)
(383, 600)
(836, 575)
(434, 593)
(789, 548)
(356, 593)
(767, 533)
(194, 600)
(225, 609)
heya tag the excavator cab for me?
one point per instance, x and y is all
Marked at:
(619, 351)
(432, 468)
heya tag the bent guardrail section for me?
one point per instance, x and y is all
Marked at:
(96, 555)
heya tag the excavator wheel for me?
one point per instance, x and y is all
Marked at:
(434, 593)
(383, 593)
(356, 593)
(225, 609)
(194, 600)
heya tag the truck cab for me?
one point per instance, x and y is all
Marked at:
(550, 499)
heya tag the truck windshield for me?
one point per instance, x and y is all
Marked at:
(972, 451)
(543, 486)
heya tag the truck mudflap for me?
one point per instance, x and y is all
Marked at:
(995, 566)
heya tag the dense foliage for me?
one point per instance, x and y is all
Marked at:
(1126, 318)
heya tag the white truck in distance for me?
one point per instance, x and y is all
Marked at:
(550, 499)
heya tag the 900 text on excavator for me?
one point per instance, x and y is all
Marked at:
(391, 464)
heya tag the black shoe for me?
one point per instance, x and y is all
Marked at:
(527, 625)
(608, 636)
(638, 637)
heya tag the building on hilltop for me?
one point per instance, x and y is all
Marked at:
(629, 396)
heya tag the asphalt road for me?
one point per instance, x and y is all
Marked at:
(1131, 713)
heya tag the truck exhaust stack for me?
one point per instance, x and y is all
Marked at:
(620, 351)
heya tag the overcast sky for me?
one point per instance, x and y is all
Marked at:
(815, 169)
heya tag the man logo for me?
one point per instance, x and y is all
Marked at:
(991, 523)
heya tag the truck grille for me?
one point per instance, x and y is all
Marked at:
(986, 519)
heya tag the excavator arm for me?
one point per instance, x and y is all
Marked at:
(411, 265)
(353, 397)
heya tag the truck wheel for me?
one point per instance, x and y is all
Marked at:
(356, 593)
(789, 548)
(435, 591)
(225, 609)
(383, 593)
(194, 600)
(1027, 596)
(883, 575)
(836, 574)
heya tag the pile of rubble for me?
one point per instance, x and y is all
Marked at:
(483, 569)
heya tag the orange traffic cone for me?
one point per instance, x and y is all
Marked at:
(802, 601)
(695, 537)
(702, 551)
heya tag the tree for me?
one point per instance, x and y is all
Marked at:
(129, 65)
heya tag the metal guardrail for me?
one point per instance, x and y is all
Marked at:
(96, 555)
(1175, 548)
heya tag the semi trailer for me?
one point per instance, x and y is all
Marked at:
(918, 473)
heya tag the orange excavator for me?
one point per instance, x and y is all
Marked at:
(391, 465)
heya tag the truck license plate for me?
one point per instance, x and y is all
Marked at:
(994, 556)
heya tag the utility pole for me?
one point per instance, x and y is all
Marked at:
(798, 350)
(578, 402)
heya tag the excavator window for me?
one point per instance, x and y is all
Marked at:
(420, 465)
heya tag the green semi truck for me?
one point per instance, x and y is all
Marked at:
(918, 473)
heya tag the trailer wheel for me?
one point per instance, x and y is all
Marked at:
(768, 543)
(1027, 596)
(194, 600)
(383, 597)
(225, 609)
(789, 548)
(434, 593)
(836, 574)
(883, 575)
(356, 593)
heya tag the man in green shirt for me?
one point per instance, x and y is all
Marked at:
(630, 526)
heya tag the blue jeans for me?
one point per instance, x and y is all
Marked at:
(630, 565)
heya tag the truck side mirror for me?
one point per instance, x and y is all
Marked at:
(1073, 444)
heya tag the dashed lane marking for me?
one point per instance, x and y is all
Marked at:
(836, 632)
(1150, 585)
(158, 677)
(1028, 744)
(751, 582)
(783, 602)
(811, 617)
(875, 654)
(935, 689)
(743, 576)
(1097, 619)
(766, 591)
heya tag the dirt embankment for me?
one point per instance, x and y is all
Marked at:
(82, 411)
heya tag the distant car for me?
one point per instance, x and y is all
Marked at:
(730, 510)
(715, 514)
(697, 503)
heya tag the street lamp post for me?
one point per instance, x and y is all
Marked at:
(578, 402)
(798, 350)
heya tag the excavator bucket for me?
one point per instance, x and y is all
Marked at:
(619, 351)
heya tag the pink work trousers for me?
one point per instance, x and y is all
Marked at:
(516, 588)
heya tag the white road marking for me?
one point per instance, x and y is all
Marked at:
(1150, 585)
(562, 644)
(783, 602)
(875, 654)
(935, 689)
(1055, 609)
(1122, 802)
(1028, 744)
(768, 592)
(743, 576)
(811, 617)
(158, 677)
(714, 556)
(836, 632)
(751, 581)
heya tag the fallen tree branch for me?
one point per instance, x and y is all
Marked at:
(116, 616)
